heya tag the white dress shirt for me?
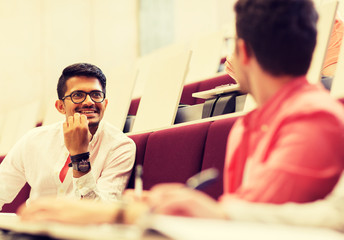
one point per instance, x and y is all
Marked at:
(39, 156)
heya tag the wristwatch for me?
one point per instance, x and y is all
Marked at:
(82, 166)
(80, 162)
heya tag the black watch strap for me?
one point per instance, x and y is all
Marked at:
(79, 157)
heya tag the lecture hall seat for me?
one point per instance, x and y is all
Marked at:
(215, 152)
(140, 142)
(189, 89)
(174, 155)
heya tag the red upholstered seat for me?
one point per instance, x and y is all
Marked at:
(173, 155)
(134, 105)
(140, 141)
(188, 90)
(215, 151)
(223, 60)
(341, 100)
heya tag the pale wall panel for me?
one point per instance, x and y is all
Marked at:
(21, 55)
(194, 18)
(115, 35)
(67, 36)
(41, 37)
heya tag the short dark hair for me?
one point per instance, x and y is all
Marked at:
(280, 33)
(79, 69)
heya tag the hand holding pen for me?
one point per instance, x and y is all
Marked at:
(176, 199)
(198, 182)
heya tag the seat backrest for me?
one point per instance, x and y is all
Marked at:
(215, 151)
(206, 55)
(174, 155)
(134, 105)
(164, 80)
(140, 142)
(119, 93)
(188, 90)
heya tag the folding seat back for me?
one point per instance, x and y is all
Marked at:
(141, 142)
(134, 105)
(187, 92)
(215, 151)
(174, 155)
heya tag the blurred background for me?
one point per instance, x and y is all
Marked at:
(41, 37)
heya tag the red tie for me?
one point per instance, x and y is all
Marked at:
(64, 170)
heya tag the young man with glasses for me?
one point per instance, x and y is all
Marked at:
(83, 157)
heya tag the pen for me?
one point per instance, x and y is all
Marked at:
(203, 179)
(198, 181)
(138, 182)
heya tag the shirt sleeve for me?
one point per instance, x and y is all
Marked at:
(326, 213)
(12, 177)
(303, 162)
(114, 176)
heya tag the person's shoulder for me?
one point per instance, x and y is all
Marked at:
(44, 130)
(112, 132)
(316, 100)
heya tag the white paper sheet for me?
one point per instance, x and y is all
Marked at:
(189, 229)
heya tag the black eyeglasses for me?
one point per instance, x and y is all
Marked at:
(80, 96)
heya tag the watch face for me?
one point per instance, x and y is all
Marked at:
(84, 166)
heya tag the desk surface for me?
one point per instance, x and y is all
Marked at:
(212, 93)
(173, 227)
(12, 228)
(5, 235)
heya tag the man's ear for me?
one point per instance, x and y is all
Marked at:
(59, 105)
(243, 52)
(106, 103)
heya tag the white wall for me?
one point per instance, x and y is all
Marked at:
(41, 37)
(21, 53)
(194, 18)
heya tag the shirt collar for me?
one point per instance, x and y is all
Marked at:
(268, 110)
